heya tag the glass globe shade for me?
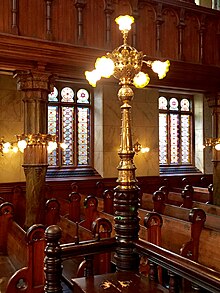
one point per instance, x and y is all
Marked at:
(104, 66)
(124, 22)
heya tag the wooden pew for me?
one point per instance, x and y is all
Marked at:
(20, 252)
(199, 193)
(184, 234)
(174, 239)
(187, 202)
(30, 278)
(88, 229)
(157, 203)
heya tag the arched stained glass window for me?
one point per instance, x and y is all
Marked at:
(175, 130)
(162, 103)
(69, 118)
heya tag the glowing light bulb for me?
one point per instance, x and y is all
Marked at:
(124, 22)
(161, 68)
(15, 149)
(104, 66)
(22, 144)
(145, 150)
(217, 147)
(141, 80)
(6, 147)
(92, 77)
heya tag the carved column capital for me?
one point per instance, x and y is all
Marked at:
(213, 99)
(35, 85)
(34, 80)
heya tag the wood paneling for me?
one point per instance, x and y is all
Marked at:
(81, 31)
(5, 13)
(95, 24)
(32, 19)
(211, 41)
(191, 38)
(146, 30)
(64, 21)
(169, 45)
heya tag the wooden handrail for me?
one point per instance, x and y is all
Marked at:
(196, 273)
(89, 247)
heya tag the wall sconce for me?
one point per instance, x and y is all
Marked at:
(138, 148)
(213, 142)
(39, 139)
(30, 139)
(6, 147)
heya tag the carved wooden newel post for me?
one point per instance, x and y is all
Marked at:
(53, 262)
(126, 193)
(35, 86)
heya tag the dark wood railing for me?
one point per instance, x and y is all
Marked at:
(200, 276)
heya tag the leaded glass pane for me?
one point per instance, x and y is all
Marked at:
(178, 130)
(67, 94)
(52, 129)
(184, 105)
(163, 138)
(70, 121)
(82, 96)
(174, 139)
(53, 96)
(162, 103)
(83, 136)
(174, 104)
(185, 138)
(67, 134)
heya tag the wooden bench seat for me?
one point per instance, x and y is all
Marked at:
(147, 203)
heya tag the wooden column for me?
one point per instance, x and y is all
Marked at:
(214, 104)
(35, 86)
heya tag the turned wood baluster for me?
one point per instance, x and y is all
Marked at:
(201, 40)
(89, 266)
(48, 19)
(181, 27)
(52, 261)
(80, 4)
(159, 21)
(173, 284)
(108, 11)
(14, 11)
(153, 271)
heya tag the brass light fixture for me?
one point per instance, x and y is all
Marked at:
(213, 142)
(30, 139)
(137, 147)
(125, 64)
